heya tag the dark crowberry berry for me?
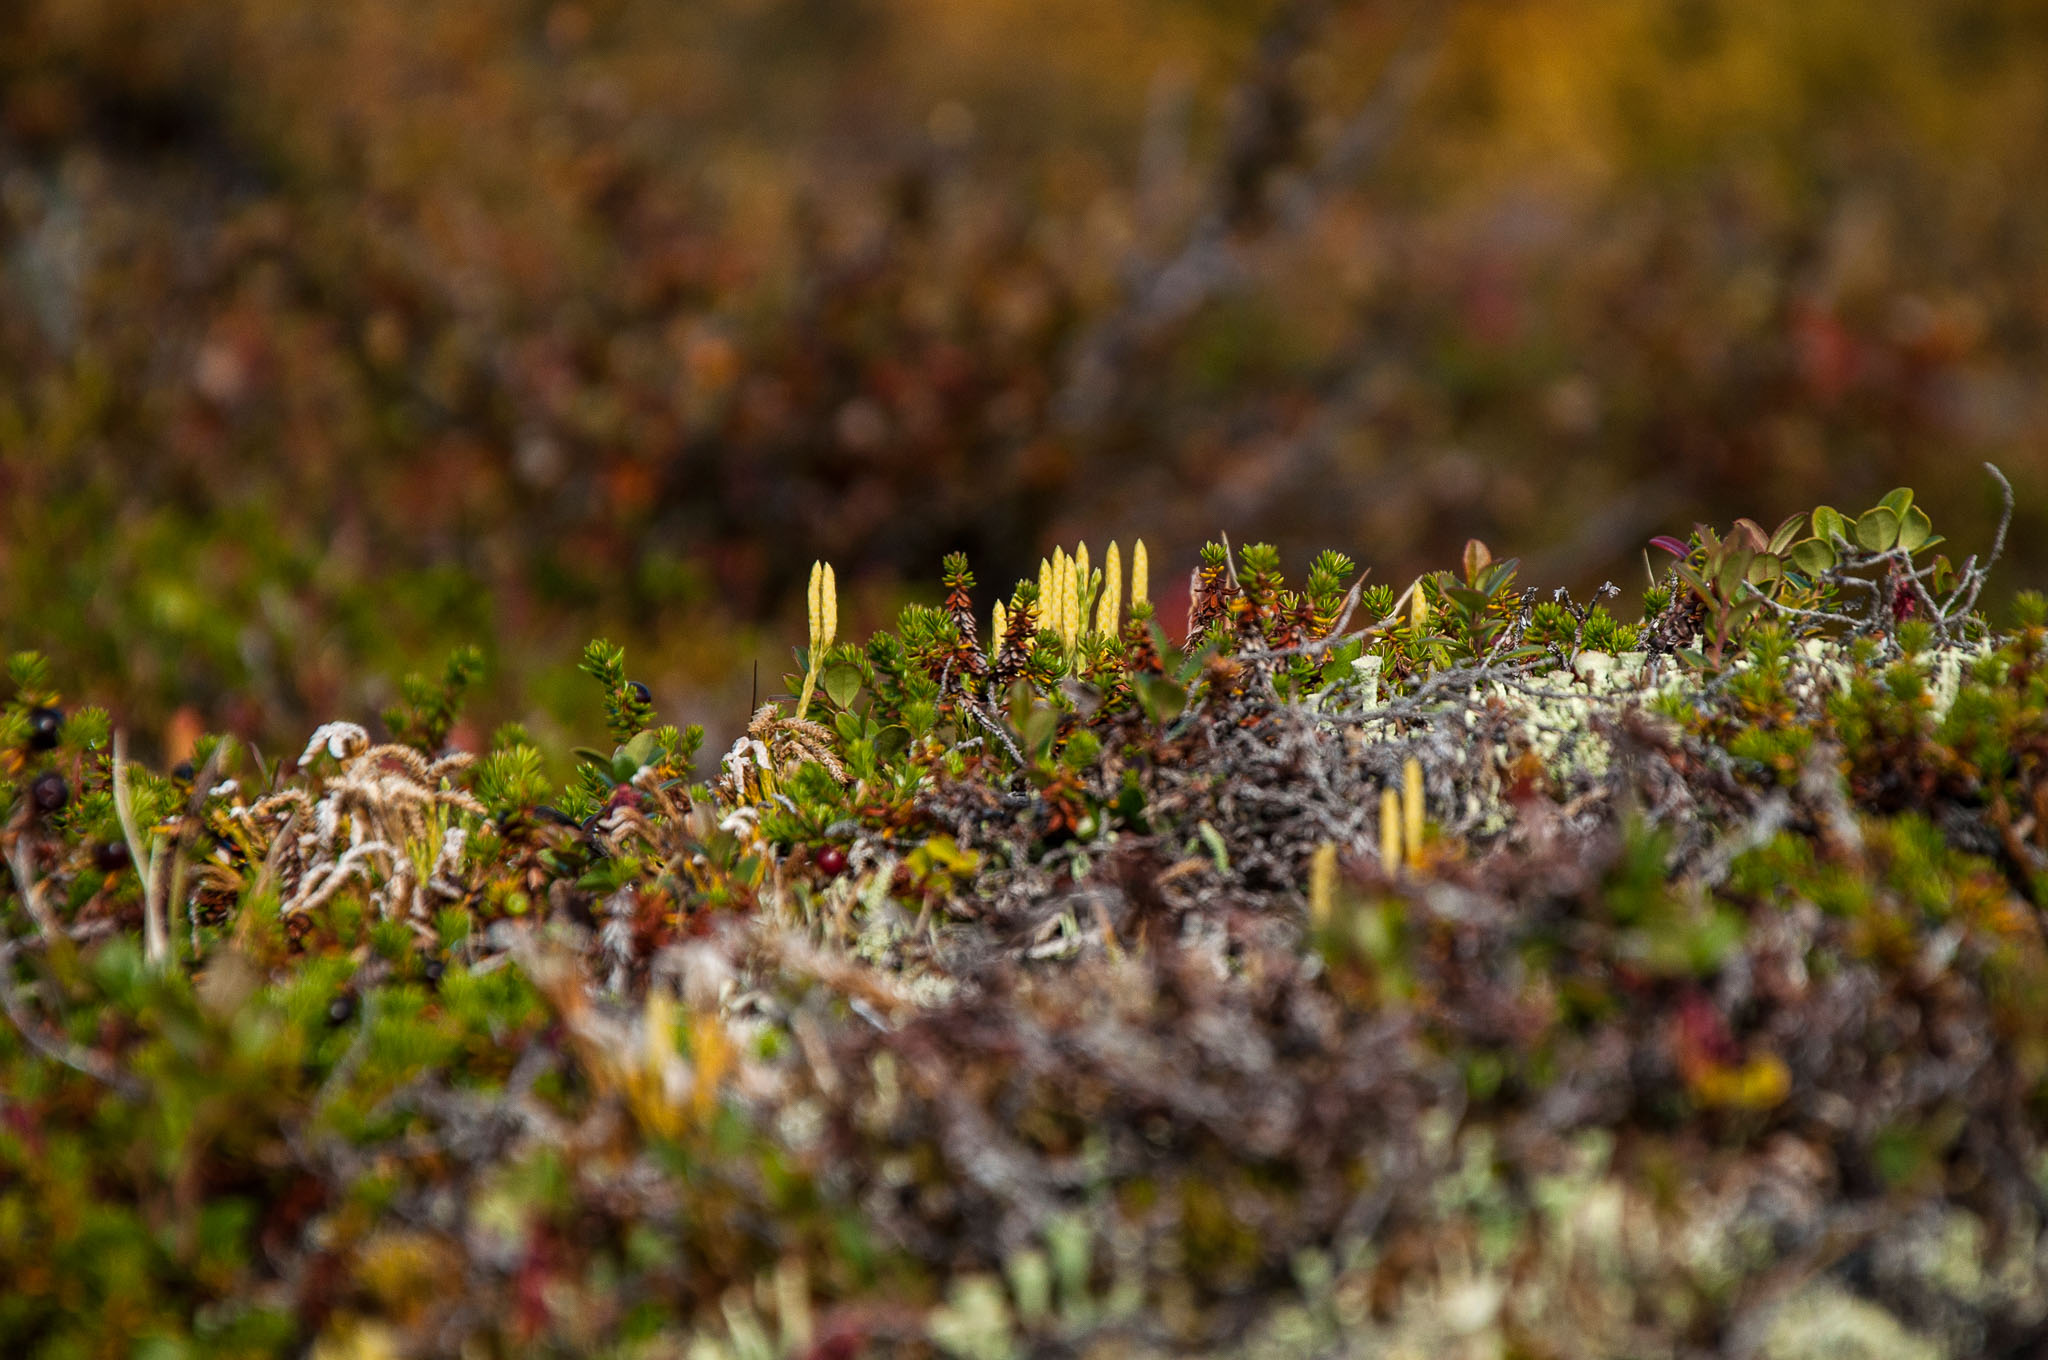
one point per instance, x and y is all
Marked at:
(832, 861)
(432, 972)
(44, 727)
(641, 694)
(341, 1010)
(182, 772)
(111, 857)
(48, 792)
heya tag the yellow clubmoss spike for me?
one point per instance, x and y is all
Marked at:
(1056, 594)
(1390, 830)
(711, 1052)
(658, 1033)
(1052, 617)
(1322, 884)
(1048, 610)
(1061, 590)
(1108, 613)
(831, 603)
(1139, 565)
(1418, 607)
(1077, 607)
(1411, 810)
(647, 1091)
(823, 600)
(999, 625)
(815, 597)
(1068, 588)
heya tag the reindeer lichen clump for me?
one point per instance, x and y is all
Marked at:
(1340, 969)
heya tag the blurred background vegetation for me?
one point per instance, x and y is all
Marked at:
(333, 336)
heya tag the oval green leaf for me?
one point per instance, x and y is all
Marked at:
(1915, 529)
(842, 685)
(1813, 557)
(1161, 699)
(1878, 530)
(1734, 571)
(1828, 524)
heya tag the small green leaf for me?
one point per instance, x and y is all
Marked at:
(1130, 803)
(642, 749)
(1898, 500)
(1213, 838)
(1337, 666)
(1765, 569)
(842, 684)
(1878, 530)
(1161, 699)
(1813, 557)
(1499, 575)
(1040, 726)
(890, 743)
(1828, 525)
(1782, 536)
(1734, 571)
(1915, 529)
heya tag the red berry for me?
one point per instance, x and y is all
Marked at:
(832, 861)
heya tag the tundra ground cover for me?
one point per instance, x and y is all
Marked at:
(1468, 970)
